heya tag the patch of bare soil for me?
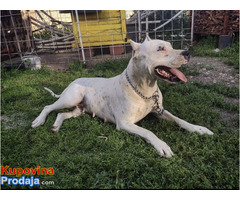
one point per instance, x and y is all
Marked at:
(230, 117)
(13, 121)
(211, 70)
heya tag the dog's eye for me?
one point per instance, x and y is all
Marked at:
(160, 48)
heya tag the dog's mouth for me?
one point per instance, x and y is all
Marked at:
(170, 74)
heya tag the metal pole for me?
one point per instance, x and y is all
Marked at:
(192, 27)
(155, 19)
(75, 40)
(172, 18)
(182, 36)
(163, 32)
(80, 36)
(139, 26)
(147, 31)
(171, 27)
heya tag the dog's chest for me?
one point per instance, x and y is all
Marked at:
(139, 110)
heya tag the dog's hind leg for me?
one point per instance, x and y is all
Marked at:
(70, 97)
(62, 116)
(183, 124)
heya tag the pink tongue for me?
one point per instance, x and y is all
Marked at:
(179, 74)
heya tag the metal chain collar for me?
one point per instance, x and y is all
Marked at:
(155, 96)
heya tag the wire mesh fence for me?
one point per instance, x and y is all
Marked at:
(58, 37)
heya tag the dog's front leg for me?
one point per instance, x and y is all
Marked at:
(162, 148)
(189, 127)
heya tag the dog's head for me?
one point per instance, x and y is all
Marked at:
(160, 60)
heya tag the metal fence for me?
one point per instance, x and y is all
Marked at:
(56, 38)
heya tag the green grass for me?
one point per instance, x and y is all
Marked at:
(229, 55)
(83, 160)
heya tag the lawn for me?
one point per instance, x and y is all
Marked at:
(89, 154)
(208, 47)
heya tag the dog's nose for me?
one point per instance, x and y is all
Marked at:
(186, 54)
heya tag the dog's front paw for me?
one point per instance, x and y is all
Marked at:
(201, 130)
(55, 128)
(163, 149)
(38, 122)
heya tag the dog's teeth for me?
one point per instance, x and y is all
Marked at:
(163, 73)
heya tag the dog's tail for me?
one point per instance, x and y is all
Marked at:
(52, 93)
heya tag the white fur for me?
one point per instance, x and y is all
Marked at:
(114, 100)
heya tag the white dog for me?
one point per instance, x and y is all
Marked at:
(130, 96)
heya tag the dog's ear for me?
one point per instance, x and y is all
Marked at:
(147, 38)
(135, 47)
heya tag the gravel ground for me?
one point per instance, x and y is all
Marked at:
(211, 70)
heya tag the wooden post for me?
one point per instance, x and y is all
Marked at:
(225, 23)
